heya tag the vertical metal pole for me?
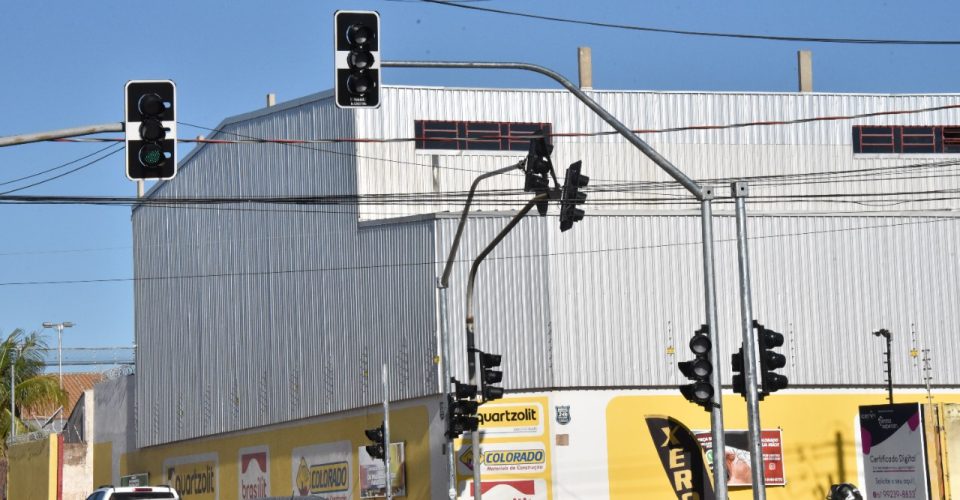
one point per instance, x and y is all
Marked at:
(475, 381)
(716, 410)
(13, 376)
(386, 434)
(473, 356)
(445, 388)
(740, 192)
(60, 352)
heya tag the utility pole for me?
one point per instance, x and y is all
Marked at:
(705, 196)
(883, 332)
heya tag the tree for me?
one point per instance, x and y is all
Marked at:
(32, 388)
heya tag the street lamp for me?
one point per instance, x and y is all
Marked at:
(59, 326)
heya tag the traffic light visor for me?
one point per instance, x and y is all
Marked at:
(696, 369)
(700, 344)
(375, 434)
(700, 392)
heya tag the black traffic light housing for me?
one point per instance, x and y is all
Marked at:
(770, 360)
(698, 370)
(769, 381)
(539, 169)
(461, 410)
(357, 58)
(571, 196)
(150, 129)
(489, 375)
(377, 447)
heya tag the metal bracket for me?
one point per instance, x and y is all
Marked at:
(740, 189)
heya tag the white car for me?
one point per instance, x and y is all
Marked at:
(133, 493)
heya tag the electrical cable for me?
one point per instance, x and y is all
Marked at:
(774, 38)
(58, 167)
(64, 174)
(304, 144)
(497, 136)
(436, 263)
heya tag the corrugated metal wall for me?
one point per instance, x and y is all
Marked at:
(283, 312)
(277, 312)
(600, 305)
(806, 148)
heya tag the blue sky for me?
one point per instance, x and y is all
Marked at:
(65, 64)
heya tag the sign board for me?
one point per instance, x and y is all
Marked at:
(141, 479)
(254, 476)
(738, 456)
(893, 448)
(323, 471)
(373, 482)
(514, 451)
(195, 477)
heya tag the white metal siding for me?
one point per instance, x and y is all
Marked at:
(284, 312)
(702, 154)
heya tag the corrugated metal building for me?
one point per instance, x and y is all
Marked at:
(281, 312)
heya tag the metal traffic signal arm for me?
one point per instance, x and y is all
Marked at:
(704, 195)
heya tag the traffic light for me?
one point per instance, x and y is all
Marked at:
(698, 370)
(770, 360)
(538, 169)
(571, 196)
(150, 125)
(462, 410)
(357, 58)
(490, 376)
(739, 382)
(376, 436)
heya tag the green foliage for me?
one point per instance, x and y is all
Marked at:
(33, 389)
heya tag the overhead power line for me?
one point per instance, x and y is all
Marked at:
(486, 137)
(435, 263)
(68, 172)
(746, 36)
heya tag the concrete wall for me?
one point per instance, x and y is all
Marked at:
(78, 456)
(319, 456)
(33, 469)
(113, 427)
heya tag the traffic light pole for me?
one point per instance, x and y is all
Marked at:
(704, 195)
(64, 133)
(442, 284)
(474, 355)
(750, 351)
(718, 438)
(386, 433)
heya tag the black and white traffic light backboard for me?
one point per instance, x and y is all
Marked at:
(150, 125)
(357, 58)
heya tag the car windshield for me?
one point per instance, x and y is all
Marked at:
(144, 495)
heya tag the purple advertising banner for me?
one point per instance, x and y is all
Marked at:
(893, 448)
